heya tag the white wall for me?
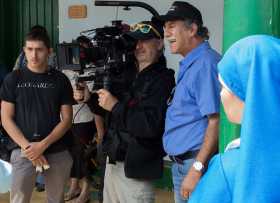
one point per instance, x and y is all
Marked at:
(212, 13)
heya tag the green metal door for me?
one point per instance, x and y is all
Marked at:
(243, 18)
(2, 32)
(19, 16)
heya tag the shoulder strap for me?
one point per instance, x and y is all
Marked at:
(21, 60)
(17, 71)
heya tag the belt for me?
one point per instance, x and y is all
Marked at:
(181, 157)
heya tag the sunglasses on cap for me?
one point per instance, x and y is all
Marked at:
(144, 28)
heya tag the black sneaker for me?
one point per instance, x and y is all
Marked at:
(40, 187)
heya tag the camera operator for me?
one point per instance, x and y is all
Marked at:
(135, 124)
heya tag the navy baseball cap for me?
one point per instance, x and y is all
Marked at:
(181, 10)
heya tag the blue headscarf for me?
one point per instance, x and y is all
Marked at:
(251, 70)
(251, 173)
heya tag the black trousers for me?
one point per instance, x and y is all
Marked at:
(83, 135)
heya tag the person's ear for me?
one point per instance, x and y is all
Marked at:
(160, 44)
(50, 50)
(193, 29)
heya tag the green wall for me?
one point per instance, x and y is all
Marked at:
(243, 18)
(2, 32)
(17, 17)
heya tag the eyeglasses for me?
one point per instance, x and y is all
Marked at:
(144, 28)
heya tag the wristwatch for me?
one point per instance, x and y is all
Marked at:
(198, 166)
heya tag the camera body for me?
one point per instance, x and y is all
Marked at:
(107, 56)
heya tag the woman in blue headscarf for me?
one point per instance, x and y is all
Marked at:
(250, 75)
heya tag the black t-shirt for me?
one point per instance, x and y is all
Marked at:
(38, 98)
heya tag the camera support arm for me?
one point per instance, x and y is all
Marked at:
(127, 4)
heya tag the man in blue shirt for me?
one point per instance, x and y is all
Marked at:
(192, 119)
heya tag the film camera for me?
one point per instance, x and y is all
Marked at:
(108, 58)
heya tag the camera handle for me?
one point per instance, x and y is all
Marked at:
(78, 86)
(127, 4)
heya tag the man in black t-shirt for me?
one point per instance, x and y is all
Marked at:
(36, 112)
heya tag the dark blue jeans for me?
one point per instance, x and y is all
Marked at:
(179, 171)
(40, 179)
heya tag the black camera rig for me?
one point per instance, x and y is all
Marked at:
(108, 55)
